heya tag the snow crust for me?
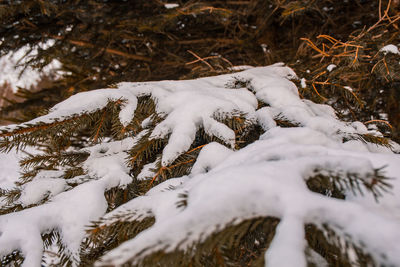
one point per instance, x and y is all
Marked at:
(266, 178)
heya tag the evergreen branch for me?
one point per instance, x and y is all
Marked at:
(157, 32)
(14, 258)
(368, 138)
(108, 233)
(25, 129)
(145, 150)
(252, 237)
(100, 126)
(73, 172)
(111, 225)
(194, 149)
(380, 121)
(335, 183)
(70, 158)
(9, 196)
(181, 166)
(282, 121)
(107, 50)
(60, 132)
(337, 249)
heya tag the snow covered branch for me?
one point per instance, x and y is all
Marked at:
(161, 169)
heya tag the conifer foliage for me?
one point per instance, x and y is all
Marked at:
(231, 170)
(238, 169)
(100, 43)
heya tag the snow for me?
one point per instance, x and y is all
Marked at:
(107, 161)
(209, 157)
(188, 105)
(331, 67)
(12, 70)
(348, 88)
(303, 83)
(265, 118)
(9, 169)
(316, 259)
(225, 186)
(46, 183)
(148, 170)
(240, 67)
(390, 49)
(70, 211)
(171, 5)
(256, 181)
(287, 247)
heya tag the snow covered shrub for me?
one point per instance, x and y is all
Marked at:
(231, 170)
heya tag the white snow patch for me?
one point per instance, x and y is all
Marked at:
(240, 68)
(348, 88)
(331, 67)
(209, 157)
(9, 169)
(303, 83)
(45, 184)
(148, 170)
(390, 49)
(171, 5)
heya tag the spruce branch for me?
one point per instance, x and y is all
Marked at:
(53, 160)
(127, 135)
(369, 138)
(336, 183)
(335, 247)
(106, 50)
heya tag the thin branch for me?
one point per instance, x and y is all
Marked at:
(107, 50)
(40, 127)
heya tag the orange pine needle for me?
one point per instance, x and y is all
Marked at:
(315, 89)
